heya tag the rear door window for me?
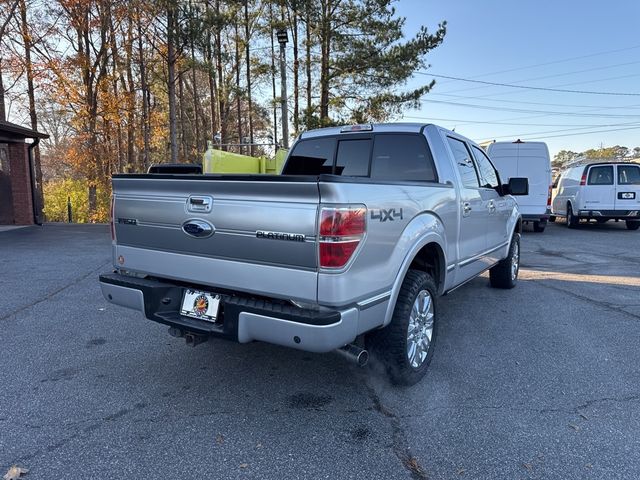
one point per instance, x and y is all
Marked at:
(462, 159)
(400, 157)
(602, 175)
(311, 157)
(487, 172)
(353, 157)
(628, 175)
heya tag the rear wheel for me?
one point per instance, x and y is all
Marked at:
(539, 226)
(572, 220)
(505, 273)
(633, 224)
(552, 218)
(405, 346)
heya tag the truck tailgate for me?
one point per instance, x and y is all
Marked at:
(221, 232)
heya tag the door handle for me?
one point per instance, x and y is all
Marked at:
(466, 208)
(492, 207)
(201, 204)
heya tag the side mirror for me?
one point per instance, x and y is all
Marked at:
(517, 186)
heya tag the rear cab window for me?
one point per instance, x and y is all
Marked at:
(628, 174)
(601, 175)
(383, 157)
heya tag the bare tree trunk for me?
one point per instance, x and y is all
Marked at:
(273, 76)
(249, 97)
(171, 67)
(308, 62)
(293, 20)
(183, 123)
(238, 99)
(145, 101)
(3, 111)
(221, 90)
(33, 115)
(325, 40)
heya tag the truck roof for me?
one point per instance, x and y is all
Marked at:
(377, 127)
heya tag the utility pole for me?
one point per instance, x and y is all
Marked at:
(283, 38)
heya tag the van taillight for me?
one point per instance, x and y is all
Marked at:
(341, 231)
(549, 196)
(112, 215)
(583, 180)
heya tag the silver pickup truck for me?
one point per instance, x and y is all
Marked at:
(348, 249)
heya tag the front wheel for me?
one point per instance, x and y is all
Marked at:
(572, 220)
(633, 224)
(505, 273)
(405, 346)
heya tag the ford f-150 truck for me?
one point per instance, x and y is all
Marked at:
(348, 249)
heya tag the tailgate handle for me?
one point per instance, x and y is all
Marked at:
(199, 204)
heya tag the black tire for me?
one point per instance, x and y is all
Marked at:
(539, 226)
(552, 218)
(502, 275)
(572, 220)
(390, 345)
(633, 224)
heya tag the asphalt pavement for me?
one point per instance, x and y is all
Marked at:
(541, 381)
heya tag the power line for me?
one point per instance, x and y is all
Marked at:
(559, 90)
(521, 110)
(568, 134)
(490, 122)
(555, 75)
(597, 107)
(564, 60)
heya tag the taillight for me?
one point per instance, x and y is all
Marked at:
(112, 215)
(341, 231)
(583, 180)
(549, 196)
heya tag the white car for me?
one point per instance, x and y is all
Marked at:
(600, 191)
(530, 160)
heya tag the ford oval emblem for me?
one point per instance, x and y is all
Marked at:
(198, 228)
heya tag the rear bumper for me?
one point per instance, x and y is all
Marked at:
(241, 318)
(611, 214)
(536, 218)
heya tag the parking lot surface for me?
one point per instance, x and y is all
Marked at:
(542, 381)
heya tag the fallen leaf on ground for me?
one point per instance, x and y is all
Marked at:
(575, 427)
(259, 445)
(461, 471)
(15, 472)
(584, 416)
(244, 465)
(528, 466)
(219, 439)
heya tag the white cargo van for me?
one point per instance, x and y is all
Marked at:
(599, 191)
(530, 160)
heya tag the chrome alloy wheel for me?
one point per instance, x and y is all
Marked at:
(420, 329)
(515, 260)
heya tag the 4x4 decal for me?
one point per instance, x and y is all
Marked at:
(384, 215)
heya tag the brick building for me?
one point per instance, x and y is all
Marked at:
(18, 199)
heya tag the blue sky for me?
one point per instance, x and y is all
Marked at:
(576, 45)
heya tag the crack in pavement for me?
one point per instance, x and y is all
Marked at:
(83, 431)
(399, 446)
(589, 403)
(544, 283)
(55, 292)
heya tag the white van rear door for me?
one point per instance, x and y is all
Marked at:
(600, 190)
(628, 187)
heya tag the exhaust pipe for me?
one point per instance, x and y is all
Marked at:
(355, 354)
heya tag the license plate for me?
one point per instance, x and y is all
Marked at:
(202, 305)
(627, 195)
